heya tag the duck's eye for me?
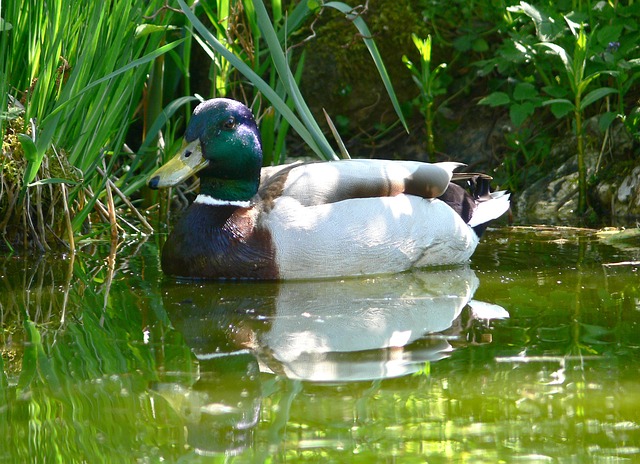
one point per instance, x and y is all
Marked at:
(230, 123)
(187, 153)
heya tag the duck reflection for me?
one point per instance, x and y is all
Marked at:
(321, 331)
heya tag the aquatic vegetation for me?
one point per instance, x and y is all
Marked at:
(431, 82)
(574, 64)
(74, 106)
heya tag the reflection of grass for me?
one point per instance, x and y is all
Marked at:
(470, 406)
(77, 387)
(563, 295)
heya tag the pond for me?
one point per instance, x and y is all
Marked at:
(531, 353)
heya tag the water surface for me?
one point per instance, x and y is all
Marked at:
(528, 354)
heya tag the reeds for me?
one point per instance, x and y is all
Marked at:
(76, 73)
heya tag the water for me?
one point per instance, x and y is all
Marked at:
(529, 354)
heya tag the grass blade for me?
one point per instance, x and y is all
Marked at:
(140, 61)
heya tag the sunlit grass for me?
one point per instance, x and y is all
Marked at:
(76, 74)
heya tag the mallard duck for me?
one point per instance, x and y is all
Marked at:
(312, 220)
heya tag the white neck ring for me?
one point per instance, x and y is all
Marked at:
(207, 200)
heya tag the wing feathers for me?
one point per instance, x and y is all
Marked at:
(330, 182)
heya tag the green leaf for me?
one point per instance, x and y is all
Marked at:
(294, 19)
(634, 62)
(480, 45)
(423, 46)
(560, 107)
(514, 52)
(313, 5)
(574, 26)
(162, 119)
(606, 119)
(564, 56)
(410, 66)
(608, 34)
(547, 28)
(344, 153)
(519, 112)
(29, 147)
(486, 67)
(463, 43)
(268, 132)
(495, 99)
(580, 52)
(554, 101)
(596, 95)
(53, 180)
(525, 91)
(146, 29)
(556, 91)
(34, 160)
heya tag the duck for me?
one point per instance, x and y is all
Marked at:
(328, 219)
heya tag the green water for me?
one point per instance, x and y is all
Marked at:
(529, 354)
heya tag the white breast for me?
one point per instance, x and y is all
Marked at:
(366, 236)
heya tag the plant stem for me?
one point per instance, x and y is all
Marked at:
(582, 169)
(431, 146)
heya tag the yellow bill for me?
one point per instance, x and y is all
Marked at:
(185, 164)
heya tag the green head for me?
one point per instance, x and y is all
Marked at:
(222, 145)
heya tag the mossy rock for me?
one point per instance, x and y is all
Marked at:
(340, 75)
(41, 207)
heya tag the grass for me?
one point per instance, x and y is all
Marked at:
(281, 90)
(78, 73)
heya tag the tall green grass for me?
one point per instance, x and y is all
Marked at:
(79, 70)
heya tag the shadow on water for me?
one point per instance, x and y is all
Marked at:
(530, 353)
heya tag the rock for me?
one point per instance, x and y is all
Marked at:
(622, 200)
(630, 188)
(549, 198)
(555, 196)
